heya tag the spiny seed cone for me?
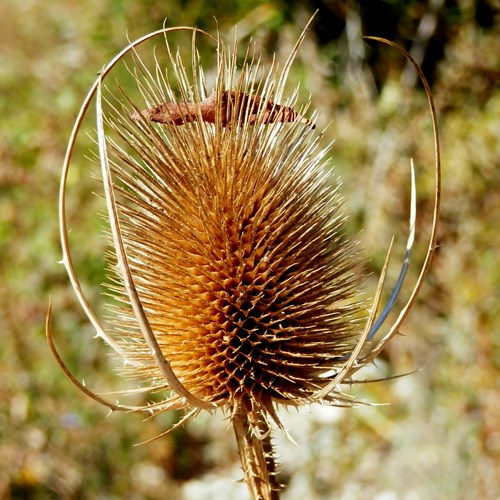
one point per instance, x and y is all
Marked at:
(234, 238)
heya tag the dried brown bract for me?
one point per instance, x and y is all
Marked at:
(239, 289)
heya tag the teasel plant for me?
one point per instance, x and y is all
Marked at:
(235, 285)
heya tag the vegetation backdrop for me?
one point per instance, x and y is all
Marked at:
(439, 436)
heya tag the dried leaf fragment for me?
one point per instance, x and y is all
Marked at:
(234, 107)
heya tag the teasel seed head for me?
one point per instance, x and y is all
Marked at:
(234, 237)
(238, 286)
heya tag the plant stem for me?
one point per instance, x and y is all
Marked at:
(256, 454)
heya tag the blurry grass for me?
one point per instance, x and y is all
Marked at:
(440, 435)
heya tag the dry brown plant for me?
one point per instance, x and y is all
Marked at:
(238, 288)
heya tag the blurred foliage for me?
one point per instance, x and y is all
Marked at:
(440, 436)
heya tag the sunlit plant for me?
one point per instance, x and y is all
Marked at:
(237, 286)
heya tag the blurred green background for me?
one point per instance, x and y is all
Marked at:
(439, 436)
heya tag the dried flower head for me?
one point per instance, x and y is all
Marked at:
(238, 287)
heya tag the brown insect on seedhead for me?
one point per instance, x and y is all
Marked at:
(234, 107)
